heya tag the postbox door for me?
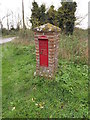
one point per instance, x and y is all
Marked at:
(43, 52)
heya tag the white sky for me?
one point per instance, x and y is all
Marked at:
(16, 7)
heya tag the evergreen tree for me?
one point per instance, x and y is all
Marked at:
(60, 18)
(42, 14)
(64, 17)
(68, 10)
(35, 15)
(51, 15)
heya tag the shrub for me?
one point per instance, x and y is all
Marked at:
(74, 48)
(26, 34)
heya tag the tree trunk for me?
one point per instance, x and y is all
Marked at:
(23, 14)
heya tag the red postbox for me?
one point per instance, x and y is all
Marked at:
(43, 50)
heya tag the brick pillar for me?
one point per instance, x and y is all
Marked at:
(53, 50)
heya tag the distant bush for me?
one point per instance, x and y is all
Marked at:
(11, 32)
(26, 34)
(5, 31)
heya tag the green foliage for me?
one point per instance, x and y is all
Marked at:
(8, 33)
(35, 14)
(68, 9)
(64, 17)
(26, 34)
(75, 47)
(5, 31)
(60, 18)
(42, 14)
(51, 15)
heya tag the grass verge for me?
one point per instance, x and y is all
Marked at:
(29, 96)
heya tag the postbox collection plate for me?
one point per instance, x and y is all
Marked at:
(43, 51)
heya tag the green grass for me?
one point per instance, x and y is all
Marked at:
(10, 33)
(29, 96)
(8, 36)
(75, 48)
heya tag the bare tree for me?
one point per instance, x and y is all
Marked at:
(18, 22)
(28, 22)
(7, 16)
(12, 23)
(1, 24)
(7, 21)
(1, 21)
(80, 19)
(23, 14)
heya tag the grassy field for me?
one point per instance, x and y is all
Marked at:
(29, 96)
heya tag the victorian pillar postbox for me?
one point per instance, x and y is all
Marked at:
(47, 49)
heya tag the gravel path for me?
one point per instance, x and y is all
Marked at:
(5, 40)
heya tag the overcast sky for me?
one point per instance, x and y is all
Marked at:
(16, 7)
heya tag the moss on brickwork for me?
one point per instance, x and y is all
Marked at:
(47, 28)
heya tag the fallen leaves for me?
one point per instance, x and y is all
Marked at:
(40, 105)
(34, 74)
(13, 108)
(33, 99)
